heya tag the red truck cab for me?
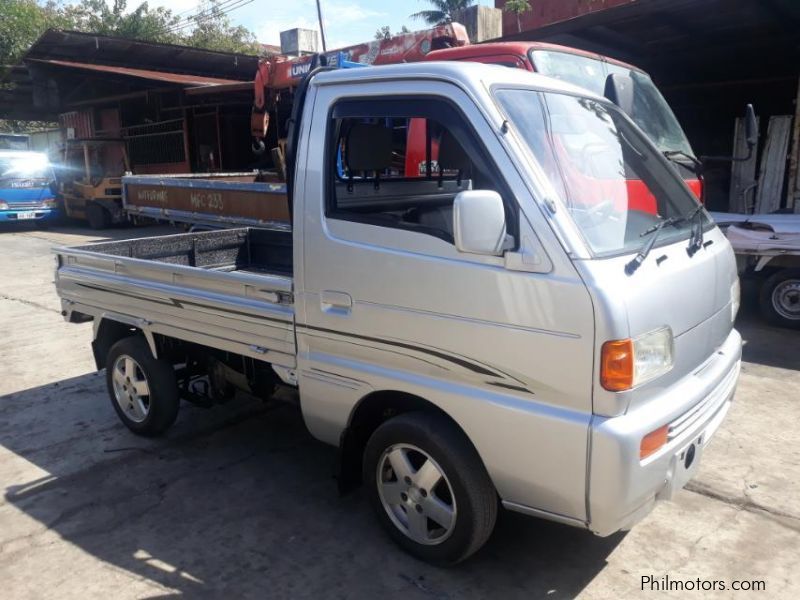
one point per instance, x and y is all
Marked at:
(590, 71)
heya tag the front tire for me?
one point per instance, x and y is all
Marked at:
(429, 488)
(143, 390)
(779, 298)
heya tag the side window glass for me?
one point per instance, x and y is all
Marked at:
(401, 165)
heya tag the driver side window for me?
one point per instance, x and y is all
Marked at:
(400, 164)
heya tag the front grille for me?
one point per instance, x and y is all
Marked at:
(24, 205)
(707, 405)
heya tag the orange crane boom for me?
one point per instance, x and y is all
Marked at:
(279, 74)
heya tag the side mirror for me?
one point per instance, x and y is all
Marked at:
(750, 138)
(619, 90)
(53, 185)
(750, 126)
(479, 222)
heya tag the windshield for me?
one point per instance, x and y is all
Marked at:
(614, 185)
(650, 111)
(24, 168)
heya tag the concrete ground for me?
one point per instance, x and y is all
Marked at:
(239, 501)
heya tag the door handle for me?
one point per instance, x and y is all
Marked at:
(335, 302)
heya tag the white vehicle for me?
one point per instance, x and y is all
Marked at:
(767, 248)
(503, 329)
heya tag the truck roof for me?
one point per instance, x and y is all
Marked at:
(518, 48)
(471, 74)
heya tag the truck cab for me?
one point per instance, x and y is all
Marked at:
(591, 71)
(25, 187)
(503, 329)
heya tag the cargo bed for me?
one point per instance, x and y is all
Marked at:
(230, 289)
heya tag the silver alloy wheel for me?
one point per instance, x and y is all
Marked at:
(131, 388)
(416, 494)
(786, 299)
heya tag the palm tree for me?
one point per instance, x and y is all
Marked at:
(443, 11)
(517, 7)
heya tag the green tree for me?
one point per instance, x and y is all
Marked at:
(21, 22)
(444, 11)
(213, 30)
(385, 32)
(141, 23)
(517, 7)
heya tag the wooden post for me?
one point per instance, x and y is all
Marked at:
(793, 185)
(773, 165)
(87, 162)
(219, 139)
(279, 161)
(185, 125)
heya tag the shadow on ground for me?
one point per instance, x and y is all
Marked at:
(240, 501)
(76, 227)
(71, 226)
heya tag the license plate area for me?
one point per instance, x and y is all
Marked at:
(683, 466)
(28, 214)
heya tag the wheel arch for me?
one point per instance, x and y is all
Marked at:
(368, 413)
(109, 330)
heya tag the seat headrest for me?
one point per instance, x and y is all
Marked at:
(451, 155)
(369, 147)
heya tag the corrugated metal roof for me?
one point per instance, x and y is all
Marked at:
(46, 75)
(80, 47)
(179, 78)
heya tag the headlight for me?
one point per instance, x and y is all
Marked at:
(624, 364)
(3, 205)
(736, 298)
(49, 204)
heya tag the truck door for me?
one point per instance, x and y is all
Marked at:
(386, 301)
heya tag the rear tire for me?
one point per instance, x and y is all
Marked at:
(429, 488)
(98, 216)
(142, 389)
(779, 298)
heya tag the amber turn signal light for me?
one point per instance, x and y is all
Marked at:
(616, 365)
(653, 441)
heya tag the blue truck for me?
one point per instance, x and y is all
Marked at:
(25, 188)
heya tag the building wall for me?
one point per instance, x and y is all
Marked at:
(547, 12)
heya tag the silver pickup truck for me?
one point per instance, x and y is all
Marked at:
(538, 315)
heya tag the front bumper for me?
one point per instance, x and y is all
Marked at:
(622, 488)
(23, 215)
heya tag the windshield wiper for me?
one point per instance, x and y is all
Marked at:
(696, 165)
(696, 240)
(637, 260)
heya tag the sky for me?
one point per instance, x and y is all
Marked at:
(347, 22)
